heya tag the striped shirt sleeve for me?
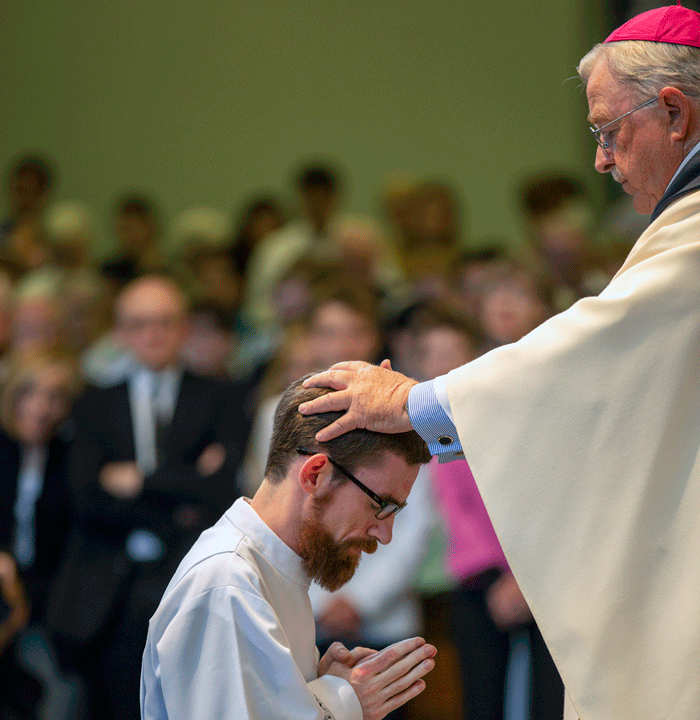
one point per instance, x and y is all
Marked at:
(431, 420)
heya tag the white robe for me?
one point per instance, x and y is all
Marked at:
(584, 439)
(233, 636)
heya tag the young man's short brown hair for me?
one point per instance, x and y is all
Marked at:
(291, 430)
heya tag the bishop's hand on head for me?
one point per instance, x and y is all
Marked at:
(374, 398)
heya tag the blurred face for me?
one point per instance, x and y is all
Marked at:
(218, 280)
(437, 221)
(301, 359)
(342, 526)
(642, 157)
(566, 230)
(262, 224)
(511, 309)
(440, 350)
(36, 324)
(318, 204)
(291, 298)
(341, 333)
(26, 195)
(135, 232)
(42, 404)
(153, 322)
(207, 347)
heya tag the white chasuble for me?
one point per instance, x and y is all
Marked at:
(584, 440)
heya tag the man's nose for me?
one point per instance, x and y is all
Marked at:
(382, 530)
(603, 160)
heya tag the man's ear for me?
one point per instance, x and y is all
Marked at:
(315, 474)
(677, 106)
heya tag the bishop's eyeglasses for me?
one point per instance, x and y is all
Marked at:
(604, 138)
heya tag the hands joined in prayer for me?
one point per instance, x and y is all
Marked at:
(384, 680)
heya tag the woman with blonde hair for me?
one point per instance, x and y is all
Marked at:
(34, 509)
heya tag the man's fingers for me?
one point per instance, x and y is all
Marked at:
(396, 701)
(341, 425)
(337, 652)
(404, 673)
(336, 378)
(330, 402)
(359, 653)
(392, 654)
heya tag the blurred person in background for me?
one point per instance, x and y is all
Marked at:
(153, 462)
(214, 278)
(399, 335)
(514, 301)
(487, 608)
(428, 236)
(258, 218)
(292, 297)
(210, 340)
(344, 322)
(70, 236)
(471, 272)
(6, 295)
(85, 294)
(28, 186)
(38, 318)
(88, 310)
(560, 221)
(36, 397)
(137, 230)
(322, 233)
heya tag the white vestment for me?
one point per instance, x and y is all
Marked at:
(233, 637)
(584, 440)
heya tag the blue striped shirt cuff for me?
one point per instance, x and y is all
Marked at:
(432, 423)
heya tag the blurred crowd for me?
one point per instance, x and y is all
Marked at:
(138, 388)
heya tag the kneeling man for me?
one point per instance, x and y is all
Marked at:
(233, 636)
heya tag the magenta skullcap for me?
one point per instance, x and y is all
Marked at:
(672, 24)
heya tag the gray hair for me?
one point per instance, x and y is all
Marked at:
(646, 67)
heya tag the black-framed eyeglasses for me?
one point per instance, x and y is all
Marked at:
(386, 508)
(604, 139)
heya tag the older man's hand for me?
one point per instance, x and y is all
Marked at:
(374, 396)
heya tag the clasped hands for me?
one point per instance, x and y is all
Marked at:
(384, 680)
(125, 480)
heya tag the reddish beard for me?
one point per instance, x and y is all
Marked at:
(331, 564)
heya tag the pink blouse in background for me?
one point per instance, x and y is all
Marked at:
(472, 546)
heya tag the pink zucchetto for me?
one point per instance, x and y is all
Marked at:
(672, 24)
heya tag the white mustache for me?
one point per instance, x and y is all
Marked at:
(616, 176)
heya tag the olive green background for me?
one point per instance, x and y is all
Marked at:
(201, 102)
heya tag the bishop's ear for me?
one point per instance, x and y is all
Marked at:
(678, 109)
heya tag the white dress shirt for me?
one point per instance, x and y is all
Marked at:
(233, 637)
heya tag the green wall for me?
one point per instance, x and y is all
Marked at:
(201, 102)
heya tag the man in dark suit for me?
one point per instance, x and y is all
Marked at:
(153, 464)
